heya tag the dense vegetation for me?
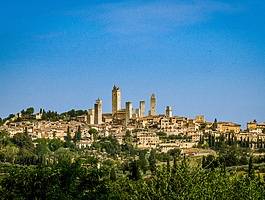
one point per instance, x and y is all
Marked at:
(52, 169)
(28, 114)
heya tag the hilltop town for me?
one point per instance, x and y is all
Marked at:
(163, 132)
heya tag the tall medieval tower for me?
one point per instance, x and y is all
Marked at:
(116, 99)
(142, 109)
(98, 112)
(153, 105)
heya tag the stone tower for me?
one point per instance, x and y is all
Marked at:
(91, 116)
(98, 112)
(168, 111)
(153, 105)
(142, 109)
(116, 99)
(128, 110)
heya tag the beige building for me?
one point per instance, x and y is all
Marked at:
(82, 118)
(255, 127)
(228, 127)
(147, 140)
(199, 119)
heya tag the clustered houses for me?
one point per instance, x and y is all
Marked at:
(254, 127)
(144, 128)
(47, 129)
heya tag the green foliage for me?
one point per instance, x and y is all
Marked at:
(109, 145)
(23, 140)
(251, 171)
(29, 111)
(161, 134)
(142, 162)
(8, 153)
(214, 126)
(152, 161)
(4, 138)
(175, 153)
(76, 180)
(49, 171)
(135, 173)
(73, 113)
(94, 133)
(77, 136)
(55, 144)
(50, 115)
(113, 175)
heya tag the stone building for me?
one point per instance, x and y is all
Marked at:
(199, 119)
(227, 127)
(91, 116)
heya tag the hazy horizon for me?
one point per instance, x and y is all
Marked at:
(200, 57)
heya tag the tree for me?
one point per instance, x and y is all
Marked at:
(152, 161)
(9, 153)
(168, 165)
(64, 156)
(29, 111)
(251, 171)
(94, 133)
(4, 138)
(128, 137)
(42, 151)
(175, 153)
(143, 163)
(214, 126)
(68, 137)
(203, 162)
(26, 157)
(135, 173)
(55, 144)
(77, 136)
(23, 140)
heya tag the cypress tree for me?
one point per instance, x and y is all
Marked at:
(152, 161)
(168, 165)
(135, 173)
(251, 172)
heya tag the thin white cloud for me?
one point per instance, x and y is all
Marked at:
(157, 17)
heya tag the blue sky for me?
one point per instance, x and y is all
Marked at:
(201, 57)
